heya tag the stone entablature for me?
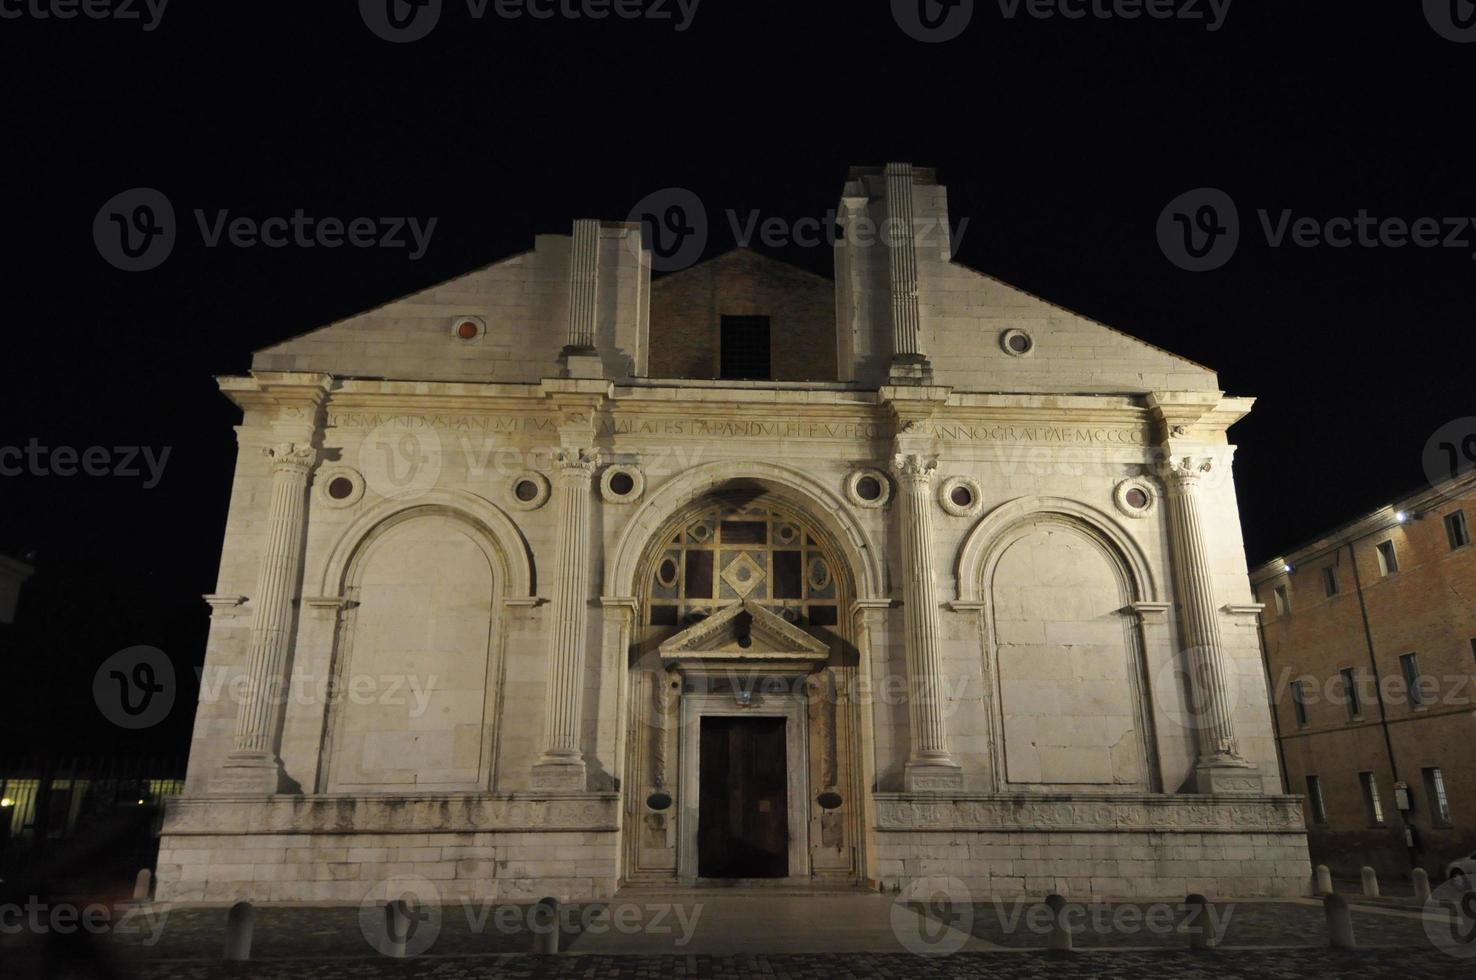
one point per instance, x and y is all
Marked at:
(1141, 813)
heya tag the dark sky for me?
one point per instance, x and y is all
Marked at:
(1060, 140)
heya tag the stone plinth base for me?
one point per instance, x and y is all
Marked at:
(910, 369)
(340, 849)
(249, 774)
(1228, 780)
(926, 777)
(582, 362)
(560, 777)
(1096, 846)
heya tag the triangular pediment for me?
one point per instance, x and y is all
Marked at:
(744, 631)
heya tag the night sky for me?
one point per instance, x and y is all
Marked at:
(1061, 141)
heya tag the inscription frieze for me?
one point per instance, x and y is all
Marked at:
(1265, 815)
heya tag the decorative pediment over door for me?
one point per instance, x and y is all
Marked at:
(744, 637)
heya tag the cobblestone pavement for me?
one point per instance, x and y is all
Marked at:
(1303, 964)
(1261, 940)
(1131, 925)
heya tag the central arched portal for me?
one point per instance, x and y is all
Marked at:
(743, 745)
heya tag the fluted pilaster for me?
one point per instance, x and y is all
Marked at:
(561, 766)
(1214, 699)
(584, 265)
(930, 766)
(254, 750)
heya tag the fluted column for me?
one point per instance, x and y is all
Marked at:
(930, 765)
(561, 766)
(252, 765)
(1211, 712)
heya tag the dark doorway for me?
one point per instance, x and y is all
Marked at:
(745, 348)
(743, 816)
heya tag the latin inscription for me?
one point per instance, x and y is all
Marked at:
(750, 428)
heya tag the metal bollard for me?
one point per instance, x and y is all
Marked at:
(143, 885)
(546, 927)
(1197, 922)
(1370, 882)
(1339, 922)
(396, 928)
(240, 923)
(1060, 937)
(1322, 881)
(1421, 881)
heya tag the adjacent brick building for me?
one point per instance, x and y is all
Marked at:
(1369, 635)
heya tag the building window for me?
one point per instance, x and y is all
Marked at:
(1314, 800)
(1409, 664)
(1299, 702)
(1372, 808)
(1388, 560)
(1456, 530)
(1435, 793)
(1350, 693)
(1330, 581)
(1283, 604)
(745, 348)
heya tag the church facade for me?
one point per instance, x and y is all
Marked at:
(557, 578)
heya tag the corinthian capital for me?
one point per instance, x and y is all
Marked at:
(1186, 471)
(291, 457)
(915, 468)
(577, 463)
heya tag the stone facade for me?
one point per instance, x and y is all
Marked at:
(485, 573)
(1334, 605)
